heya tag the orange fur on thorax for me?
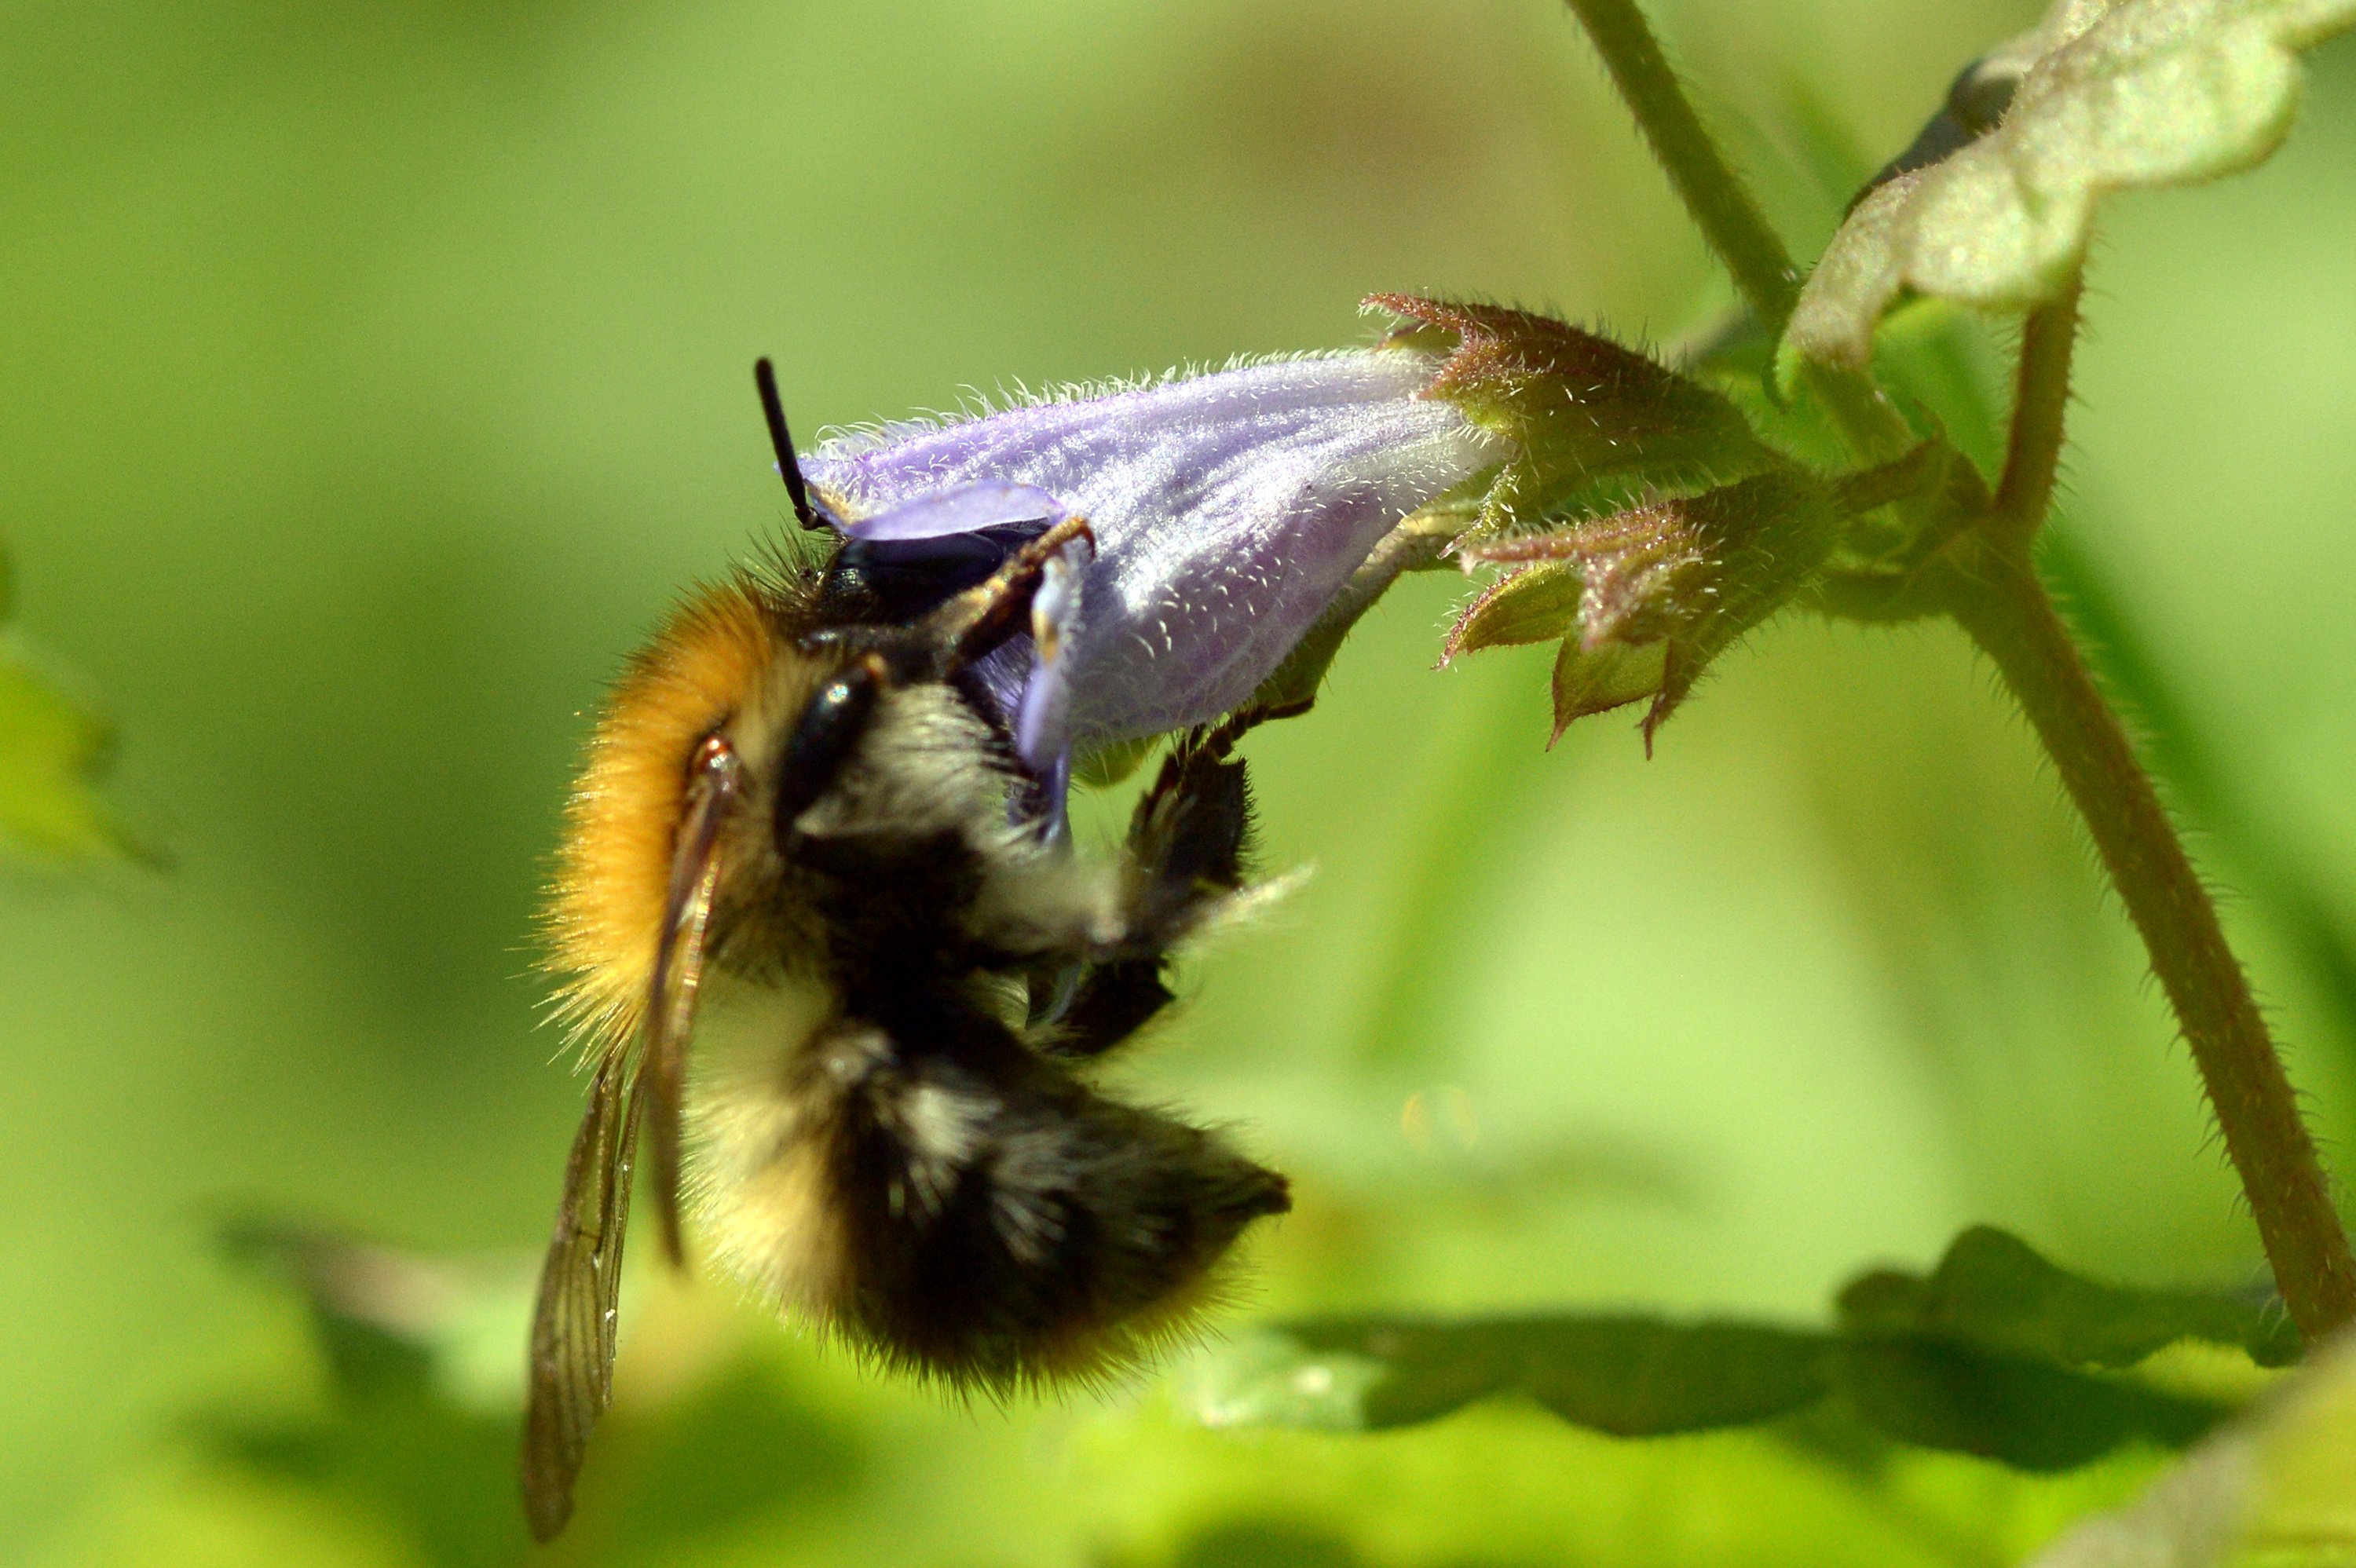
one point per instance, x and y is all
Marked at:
(612, 871)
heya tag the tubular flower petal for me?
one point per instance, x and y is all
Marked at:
(1228, 510)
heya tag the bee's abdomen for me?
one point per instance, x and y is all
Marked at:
(1008, 1224)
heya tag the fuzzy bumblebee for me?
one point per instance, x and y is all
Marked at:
(820, 828)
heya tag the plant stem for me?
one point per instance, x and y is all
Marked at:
(2000, 601)
(1997, 595)
(1728, 217)
(2040, 399)
(1723, 211)
(1899, 479)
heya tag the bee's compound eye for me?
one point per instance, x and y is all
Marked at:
(821, 739)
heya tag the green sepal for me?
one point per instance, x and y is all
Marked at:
(1533, 604)
(1661, 590)
(1592, 423)
(1596, 680)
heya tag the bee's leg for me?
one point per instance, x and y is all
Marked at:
(1192, 830)
(978, 620)
(1094, 1008)
(1043, 715)
(1189, 840)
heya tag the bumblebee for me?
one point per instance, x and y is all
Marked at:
(809, 819)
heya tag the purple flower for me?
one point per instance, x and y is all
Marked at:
(1228, 510)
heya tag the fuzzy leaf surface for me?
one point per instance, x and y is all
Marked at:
(1996, 1352)
(2121, 94)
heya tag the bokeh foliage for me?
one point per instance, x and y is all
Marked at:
(376, 375)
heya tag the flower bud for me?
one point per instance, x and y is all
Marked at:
(1645, 598)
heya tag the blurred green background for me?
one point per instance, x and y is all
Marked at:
(374, 375)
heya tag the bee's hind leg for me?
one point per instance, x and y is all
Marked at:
(1084, 1010)
(1191, 835)
(1189, 847)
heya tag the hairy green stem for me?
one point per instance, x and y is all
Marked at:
(1899, 479)
(1722, 208)
(1994, 592)
(2041, 400)
(1728, 219)
(1997, 596)
(2000, 602)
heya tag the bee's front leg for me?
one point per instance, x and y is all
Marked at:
(978, 620)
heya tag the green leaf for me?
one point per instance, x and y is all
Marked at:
(416, 1437)
(1641, 1377)
(1993, 1290)
(1629, 1376)
(436, 1471)
(1996, 1353)
(54, 747)
(2028, 1415)
(392, 1323)
(2121, 94)
(2275, 1490)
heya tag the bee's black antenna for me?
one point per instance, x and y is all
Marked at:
(773, 408)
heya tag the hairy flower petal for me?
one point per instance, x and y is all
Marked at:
(1228, 510)
(962, 509)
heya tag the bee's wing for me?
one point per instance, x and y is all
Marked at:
(571, 1378)
(678, 975)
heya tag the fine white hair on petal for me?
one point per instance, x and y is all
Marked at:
(836, 441)
(1229, 508)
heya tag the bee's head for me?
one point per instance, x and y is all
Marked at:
(722, 733)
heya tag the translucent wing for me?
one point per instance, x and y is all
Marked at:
(677, 978)
(571, 1378)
